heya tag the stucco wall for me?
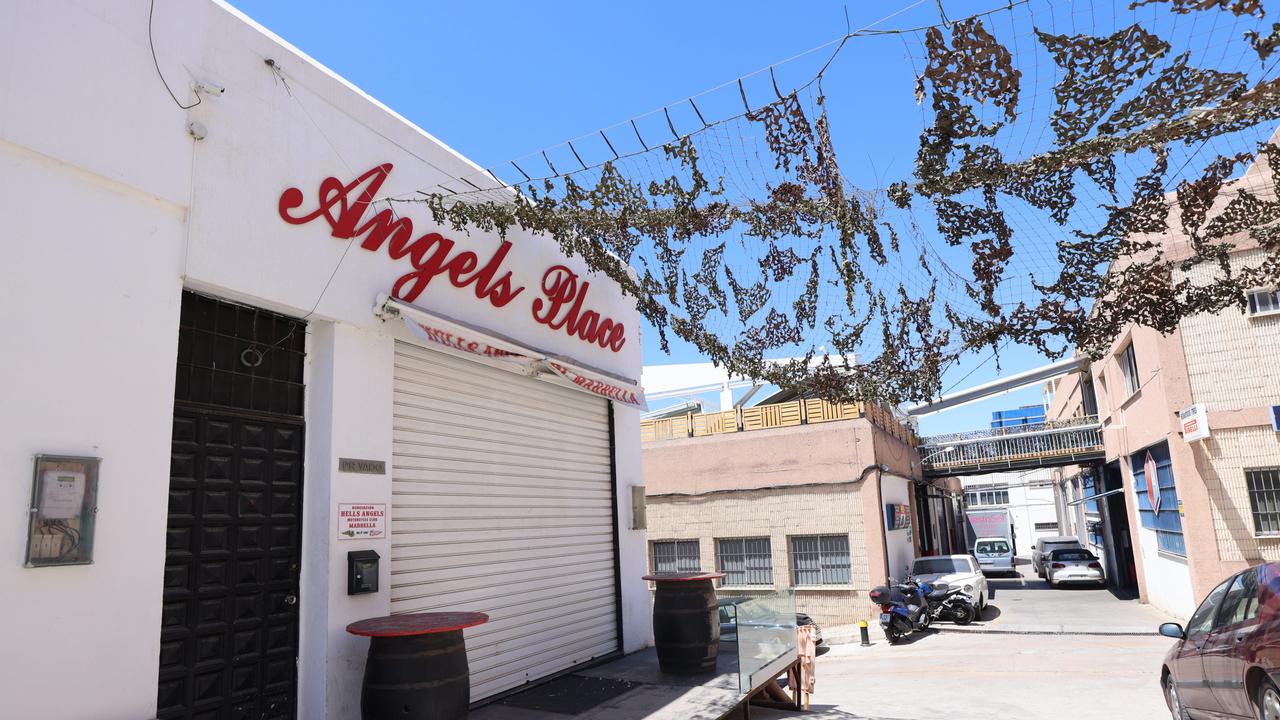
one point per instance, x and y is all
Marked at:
(803, 455)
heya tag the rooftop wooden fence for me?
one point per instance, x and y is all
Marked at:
(778, 415)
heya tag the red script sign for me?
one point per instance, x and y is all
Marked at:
(432, 255)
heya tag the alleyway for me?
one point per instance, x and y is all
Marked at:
(1014, 664)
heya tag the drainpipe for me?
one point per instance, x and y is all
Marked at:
(880, 469)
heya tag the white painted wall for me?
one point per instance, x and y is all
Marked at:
(111, 209)
(896, 489)
(1167, 578)
(86, 368)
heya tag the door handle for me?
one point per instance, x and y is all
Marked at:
(290, 599)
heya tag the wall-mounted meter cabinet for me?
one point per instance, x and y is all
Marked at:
(64, 503)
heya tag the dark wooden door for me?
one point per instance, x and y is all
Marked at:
(229, 638)
(229, 633)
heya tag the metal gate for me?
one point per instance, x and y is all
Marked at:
(229, 627)
(503, 503)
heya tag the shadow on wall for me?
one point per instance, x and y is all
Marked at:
(1239, 527)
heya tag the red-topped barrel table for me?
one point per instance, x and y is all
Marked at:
(686, 621)
(417, 666)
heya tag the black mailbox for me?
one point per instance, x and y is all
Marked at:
(362, 572)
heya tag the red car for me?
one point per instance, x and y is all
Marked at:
(1226, 662)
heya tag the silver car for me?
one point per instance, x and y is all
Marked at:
(995, 555)
(1073, 566)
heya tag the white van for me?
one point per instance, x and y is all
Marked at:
(995, 555)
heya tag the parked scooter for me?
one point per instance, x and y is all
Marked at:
(904, 608)
(951, 603)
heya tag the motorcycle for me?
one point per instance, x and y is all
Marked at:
(951, 603)
(904, 608)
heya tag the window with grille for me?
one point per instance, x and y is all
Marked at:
(820, 560)
(745, 561)
(1264, 499)
(1166, 523)
(1262, 302)
(676, 556)
(986, 497)
(1129, 368)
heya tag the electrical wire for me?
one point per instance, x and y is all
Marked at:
(152, 42)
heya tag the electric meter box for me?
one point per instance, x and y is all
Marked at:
(64, 505)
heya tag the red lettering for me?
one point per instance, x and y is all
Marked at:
(432, 255)
(344, 205)
(561, 308)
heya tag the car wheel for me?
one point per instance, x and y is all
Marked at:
(1268, 702)
(1177, 710)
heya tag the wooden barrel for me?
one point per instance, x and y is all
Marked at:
(686, 626)
(416, 677)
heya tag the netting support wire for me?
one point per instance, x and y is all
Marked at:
(442, 187)
(606, 142)
(477, 187)
(698, 113)
(774, 78)
(494, 175)
(554, 171)
(743, 92)
(943, 14)
(574, 150)
(522, 172)
(637, 131)
(670, 124)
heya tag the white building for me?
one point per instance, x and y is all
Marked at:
(189, 295)
(1027, 494)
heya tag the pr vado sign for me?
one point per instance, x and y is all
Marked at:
(562, 306)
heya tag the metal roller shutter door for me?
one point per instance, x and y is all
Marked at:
(503, 503)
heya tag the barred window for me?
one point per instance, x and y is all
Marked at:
(1264, 499)
(746, 561)
(676, 556)
(820, 560)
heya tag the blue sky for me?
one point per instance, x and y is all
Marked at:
(499, 80)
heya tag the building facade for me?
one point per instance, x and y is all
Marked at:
(1187, 493)
(219, 403)
(1017, 417)
(827, 504)
(1029, 497)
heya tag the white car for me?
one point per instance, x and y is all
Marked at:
(955, 571)
(1046, 545)
(1073, 566)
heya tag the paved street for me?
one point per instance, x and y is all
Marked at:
(1014, 664)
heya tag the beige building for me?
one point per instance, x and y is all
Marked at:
(1218, 506)
(792, 495)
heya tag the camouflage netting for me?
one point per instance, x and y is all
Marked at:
(1074, 163)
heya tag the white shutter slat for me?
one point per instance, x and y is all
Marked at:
(502, 502)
